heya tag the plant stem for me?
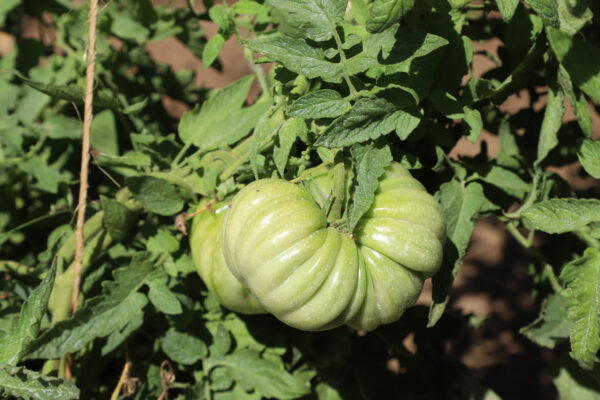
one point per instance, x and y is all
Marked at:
(343, 61)
(554, 282)
(585, 237)
(257, 71)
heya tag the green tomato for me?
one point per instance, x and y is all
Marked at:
(206, 244)
(313, 277)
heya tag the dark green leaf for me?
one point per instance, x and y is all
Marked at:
(589, 156)
(157, 195)
(325, 103)
(385, 13)
(117, 218)
(369, 164)
(183, 348)
(369, 118)
(574, 54)
(269, 379)
(297, 56)
(582, 280)
(504, 179)
(21, 383)
(563, 215)
(552, 324)
(120, 305)
(25, 328)
(160, 296)
(578, 102)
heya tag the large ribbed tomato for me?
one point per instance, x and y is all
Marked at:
(206, 245)
(314, 277)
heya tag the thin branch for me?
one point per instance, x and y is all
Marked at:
(85, 154)
(123, 378)
(528, 245)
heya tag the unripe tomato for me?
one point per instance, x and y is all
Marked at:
(206, 244)
(314, 277)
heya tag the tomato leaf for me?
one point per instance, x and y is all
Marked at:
(387, 12)
(323, 103)
(574, 54)
(297, 56)
(552, 324)
(589, 156)
(461, 205)
(157, 195)
(582, 279)
(563, 215)
(369, 119)
(551, 123)
(183, 348)
(312, 19)
(369, 164)
(18, 382)
(252, 372)
(25, 327)
(120, 305)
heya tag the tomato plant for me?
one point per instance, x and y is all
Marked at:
(430, 168)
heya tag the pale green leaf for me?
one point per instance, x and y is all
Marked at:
(313, 19)
(5, 7)
(118, 306)
(212, 49)
(573, 383)
(589, 156)
(369, 164)
(563, 215)
(127, 28)
(262, 133)
(287, 136)
(297, 56)
(473, 123)
(573, 15)
(183, 348)
(461, 205)
(21, 383)
(551, 123)
(582, 280)
(507, 8)
(26, 326)
(221, 120)
(325, 103)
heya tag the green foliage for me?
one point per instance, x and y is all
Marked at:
(582, 281)
(22, 383)
(351, 89)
